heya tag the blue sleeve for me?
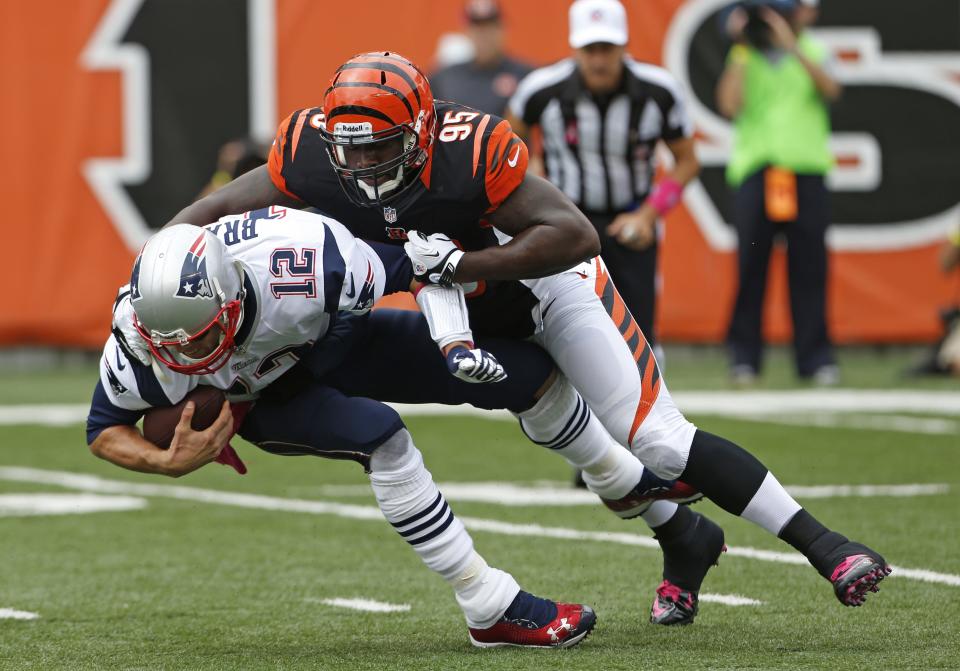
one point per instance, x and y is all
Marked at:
(104, 414)
(334, 271)
(397, 264)
(345, 331)
(149, 386)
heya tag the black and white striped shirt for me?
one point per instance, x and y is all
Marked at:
(600, 152)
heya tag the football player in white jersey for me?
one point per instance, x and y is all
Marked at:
(235, 306)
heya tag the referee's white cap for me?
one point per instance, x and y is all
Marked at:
(593, 21)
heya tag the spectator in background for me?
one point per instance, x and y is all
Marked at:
(944, 356)
(948, 355)
(452, 49)
(488, 80)
(777, 89)
(601, 115)
(235, 158)
(950, 252)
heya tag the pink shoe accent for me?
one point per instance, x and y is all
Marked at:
(847, 564)
(855, 593)
(670, 591)
(673, 605)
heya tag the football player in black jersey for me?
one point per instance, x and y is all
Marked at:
(392, 164)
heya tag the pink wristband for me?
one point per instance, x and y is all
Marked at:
(666, 194)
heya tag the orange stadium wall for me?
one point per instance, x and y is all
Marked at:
(114, 109)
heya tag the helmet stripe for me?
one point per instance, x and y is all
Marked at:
(361, 111)
(196, 243)
(382, 87)
(389, 67)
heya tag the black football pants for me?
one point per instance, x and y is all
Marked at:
(806, 271)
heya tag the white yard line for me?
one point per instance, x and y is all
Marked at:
(556, 494)
(882, 401)
(745, 404)
(20, 505)
(367, 605)
(44, 415)
(730, 599)
(934, 426)
(835, 491)
(11, 614)
(92, 483)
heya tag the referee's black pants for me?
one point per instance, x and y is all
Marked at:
(634, 273)
(806, 273)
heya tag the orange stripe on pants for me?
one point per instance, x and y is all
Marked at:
(641, 351)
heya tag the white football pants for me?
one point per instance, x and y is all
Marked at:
(584, 325)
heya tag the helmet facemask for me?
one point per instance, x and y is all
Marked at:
(168, 348)
(374, 167)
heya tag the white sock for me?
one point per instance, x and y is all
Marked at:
(411, 502)
(771, 507)
(659, 513)
(483, 592)
(562, 422)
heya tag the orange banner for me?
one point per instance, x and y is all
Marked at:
(114, 108)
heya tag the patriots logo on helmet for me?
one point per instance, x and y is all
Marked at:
(135, 281)
(194, 282)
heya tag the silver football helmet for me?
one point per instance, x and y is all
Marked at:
(183, 286)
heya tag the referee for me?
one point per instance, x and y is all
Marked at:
(601, 115)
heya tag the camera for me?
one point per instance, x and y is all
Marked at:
(757, 31)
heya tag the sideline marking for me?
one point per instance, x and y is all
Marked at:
(11, 614)
(95, 483)
(367, 605)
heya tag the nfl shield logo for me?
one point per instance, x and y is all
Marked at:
(390, 214)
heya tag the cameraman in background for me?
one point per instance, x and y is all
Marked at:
(776, 88)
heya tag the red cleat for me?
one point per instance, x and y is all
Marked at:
(532, 622)
(636, 502)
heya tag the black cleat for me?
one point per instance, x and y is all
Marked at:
(857, 570)
(686, 561)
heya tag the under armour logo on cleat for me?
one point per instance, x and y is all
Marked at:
(564, 628)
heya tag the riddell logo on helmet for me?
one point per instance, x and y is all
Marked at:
(353, 129)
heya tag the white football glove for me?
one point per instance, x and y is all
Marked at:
(434, 257)
(474, 365)
(126, 334)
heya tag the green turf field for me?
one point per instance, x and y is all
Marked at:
(240, 583)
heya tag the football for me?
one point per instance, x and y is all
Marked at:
(160, 423)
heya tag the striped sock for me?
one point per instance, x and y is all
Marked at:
(562, 422)
(413, 505)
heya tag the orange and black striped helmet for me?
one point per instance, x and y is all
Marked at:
(379, 125)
